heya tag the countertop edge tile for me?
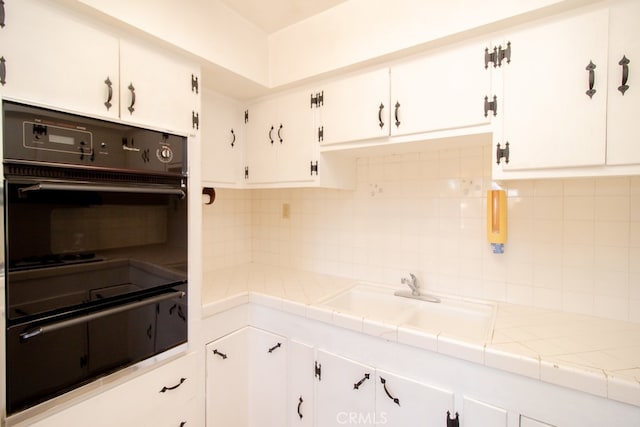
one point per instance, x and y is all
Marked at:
(510, 362)
(462, 350)
(589, 381)
(417, 338)
(623, 390)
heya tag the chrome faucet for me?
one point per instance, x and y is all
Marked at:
(414, 285)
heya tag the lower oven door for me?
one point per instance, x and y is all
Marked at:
(48, 358)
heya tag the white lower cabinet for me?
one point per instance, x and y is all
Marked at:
(300, 394)
(352, 393)
(246, 381)
(345, 392)
(402, 401)
(162, 397)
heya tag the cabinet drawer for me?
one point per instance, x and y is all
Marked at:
(167, 386)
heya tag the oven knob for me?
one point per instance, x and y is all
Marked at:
(165, 154)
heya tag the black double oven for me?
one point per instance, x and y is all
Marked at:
(95, 251)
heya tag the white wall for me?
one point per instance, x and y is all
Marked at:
(573, 245)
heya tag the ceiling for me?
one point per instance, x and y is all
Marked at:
(273, 15)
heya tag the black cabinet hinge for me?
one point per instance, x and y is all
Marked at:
(490, 106)
(317, 99)
(195, 120)
(195, 87)
(314, 168)
(497, 55)
(321, 134)
(502, 153)
(246, 116)
(453, 422)
(246, 172)
(318, 371)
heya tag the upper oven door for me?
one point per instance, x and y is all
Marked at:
(52, 225)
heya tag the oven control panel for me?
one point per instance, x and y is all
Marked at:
(33, 134)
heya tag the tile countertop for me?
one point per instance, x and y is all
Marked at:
(586, 353)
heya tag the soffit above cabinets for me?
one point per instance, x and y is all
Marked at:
(273, 15)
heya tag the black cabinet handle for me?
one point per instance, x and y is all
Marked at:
(396, 114)
(624, 63)
(233, 142)
(380, 115)
(3, 71)
(357, 385)
(280, 130)
(133, 98)
(384, 384)
(592, 79)
(217, 353)
(166, 389)
(182, 424)
(270, 137)
(109, 94)
(1, 13)
(275, 347)
(299, 406)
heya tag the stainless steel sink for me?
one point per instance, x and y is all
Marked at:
(455, 317)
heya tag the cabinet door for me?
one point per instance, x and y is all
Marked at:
(294, 137)
(355, 108)
(156, 89)
(267, 379)
(56, 58)
(528, 422)
(404, 402)
(279, 139)
(227, 399)
(300, 394)
(345, 392)
(261, 142)
(479, 414)
(623, 126)
(221, 136)
(549, 119)
(444, 90)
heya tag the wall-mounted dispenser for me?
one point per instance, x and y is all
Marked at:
(497, 219)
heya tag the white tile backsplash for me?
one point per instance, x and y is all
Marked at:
(573, 244)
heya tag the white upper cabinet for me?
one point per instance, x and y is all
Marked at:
(623, 126)
(157, 89)
(354, 108)
(57, 58)
(279, 140)
(222, 141)
(441, 91)
(54, 58)
(555, 94)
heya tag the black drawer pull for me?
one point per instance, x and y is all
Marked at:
(592, 79)
(133, 98)
(110, 94)
(217, 353)
(275, 347)
(384, 384)
(380, 109)
(357, 385)
(165, 388)
(624, 63)
(299, 406)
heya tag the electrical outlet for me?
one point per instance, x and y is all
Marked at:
(286, 211)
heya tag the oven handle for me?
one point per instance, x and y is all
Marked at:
(103, 313)
(108, 188)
